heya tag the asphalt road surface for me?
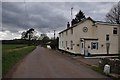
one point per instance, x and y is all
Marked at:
(46, 63)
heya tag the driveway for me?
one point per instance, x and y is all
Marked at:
(47, 63)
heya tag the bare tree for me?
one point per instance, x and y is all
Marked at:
(113, 16)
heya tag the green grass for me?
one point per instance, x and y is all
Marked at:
(11, 54)
(98, 69)
(12, 46)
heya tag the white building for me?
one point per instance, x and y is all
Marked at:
(89, 36)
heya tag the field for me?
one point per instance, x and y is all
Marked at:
(12, 53)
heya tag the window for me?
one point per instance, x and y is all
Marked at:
(66, 32)
(62, 43)
(71, 45)
(85, 29)
(66, 43)
(107, 37)
(94, 45)
(60, 35)
(72, 31)
(82, 45)
(114, 30)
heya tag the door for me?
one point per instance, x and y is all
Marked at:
(82, 45)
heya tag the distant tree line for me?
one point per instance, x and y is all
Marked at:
(21, 41)
(29, 37)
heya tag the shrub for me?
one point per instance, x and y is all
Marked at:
(114, 64)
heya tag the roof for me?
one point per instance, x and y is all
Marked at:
(106, 23)
(89, 18)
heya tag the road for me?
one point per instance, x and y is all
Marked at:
(46, 63)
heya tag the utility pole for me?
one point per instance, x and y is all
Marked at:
(71, 13)
(54, 34)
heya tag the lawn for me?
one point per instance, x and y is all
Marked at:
(12, 53)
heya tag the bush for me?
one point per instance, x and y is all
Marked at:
(103, 62)
(114, 64)
(54, 43)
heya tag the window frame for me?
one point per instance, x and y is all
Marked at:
(66, 43)
(63, 34)
(71, 30)
(62, 43)
(60, 35)
(71, 44)
(115, 31)
(107, 37)
(66, 32)
(96, 47)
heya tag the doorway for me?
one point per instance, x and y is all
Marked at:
(82, 46)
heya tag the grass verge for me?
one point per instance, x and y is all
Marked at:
(10, 58)
(98, 69)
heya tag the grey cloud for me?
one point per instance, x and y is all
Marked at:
(47, 16)
(39, 16)
(12, 15)
(0, 16)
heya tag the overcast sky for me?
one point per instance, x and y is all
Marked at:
(45, 17)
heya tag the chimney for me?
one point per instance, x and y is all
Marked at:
(68, 25)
